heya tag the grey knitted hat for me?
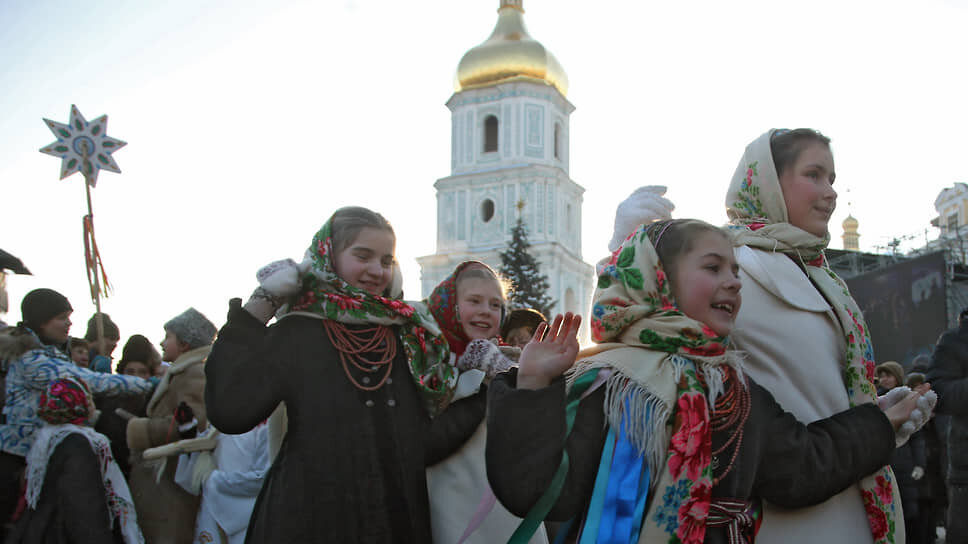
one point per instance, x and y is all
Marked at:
(193, 328)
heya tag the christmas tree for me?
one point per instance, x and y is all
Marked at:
(529, 287)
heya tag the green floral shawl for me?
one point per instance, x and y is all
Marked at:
(328, 296)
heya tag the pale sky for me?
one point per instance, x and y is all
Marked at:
(248, 123)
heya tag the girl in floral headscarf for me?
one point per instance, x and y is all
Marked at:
(806, 336)
(469, 307)
(365, 378)
(677, 445)
(75, 489)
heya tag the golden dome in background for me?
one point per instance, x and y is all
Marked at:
(509, 53)
(850, 223)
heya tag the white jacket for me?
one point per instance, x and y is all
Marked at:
(797, 352)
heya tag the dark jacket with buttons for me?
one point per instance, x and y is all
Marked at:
(352, 465)
(781, 460)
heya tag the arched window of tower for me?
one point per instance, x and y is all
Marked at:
(487, 210)
(490, 134)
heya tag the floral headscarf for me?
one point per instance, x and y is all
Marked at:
(656, 370)
(758, 217)
(325, 294)
(66, 400)
(443, 306)
(66, 405)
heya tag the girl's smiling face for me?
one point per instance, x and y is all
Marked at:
(367, 263)
(479, 304)
(706, 282)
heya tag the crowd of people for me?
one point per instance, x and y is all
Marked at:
(730, 396)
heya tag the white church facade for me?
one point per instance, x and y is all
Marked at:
(510, 144)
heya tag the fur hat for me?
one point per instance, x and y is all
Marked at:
(193, 328)
(110, 329)
(522, 317)
(893, 368)
(41, 305)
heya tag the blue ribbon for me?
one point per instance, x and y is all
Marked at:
(621, 492)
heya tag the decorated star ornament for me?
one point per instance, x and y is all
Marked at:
(83, 146)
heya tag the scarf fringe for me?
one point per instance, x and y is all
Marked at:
(651, 435)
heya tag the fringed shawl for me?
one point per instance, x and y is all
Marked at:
(655, 355)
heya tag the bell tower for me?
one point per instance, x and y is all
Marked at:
(509, 143)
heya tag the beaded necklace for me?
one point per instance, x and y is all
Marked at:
(352, 344)
(732, 410)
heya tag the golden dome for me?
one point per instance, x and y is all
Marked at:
(850, 223)
(509, 53)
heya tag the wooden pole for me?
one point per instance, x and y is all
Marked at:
(87, 169)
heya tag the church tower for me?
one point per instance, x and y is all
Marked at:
(509, 143)
(851, 237)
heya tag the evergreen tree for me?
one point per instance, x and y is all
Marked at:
(529, 287)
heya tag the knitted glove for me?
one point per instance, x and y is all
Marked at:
(185, 417)
(278, 281)
(919, 416)
(486, 356)
(645, 205)
(283, 278)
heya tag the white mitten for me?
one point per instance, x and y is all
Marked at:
(919, 416)
(280, 278)
(891, 398)
(486, 356)
(645, 205)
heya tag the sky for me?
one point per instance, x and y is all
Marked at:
(248, 123)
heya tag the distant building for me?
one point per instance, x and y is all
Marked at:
(509, 143)
(851, 237)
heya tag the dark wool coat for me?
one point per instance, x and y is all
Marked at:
(948, 375)
(352, 465)
(71, 507)
(781, 460)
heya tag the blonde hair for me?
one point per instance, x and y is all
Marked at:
(484, 272)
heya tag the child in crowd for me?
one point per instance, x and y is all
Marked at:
(35, 351)
(138, 358)
(469, 307)
(176, 410)
(75, 490)
(79, 349)
(520, 325)
(677, 444)
(365, 378)
(100, 355)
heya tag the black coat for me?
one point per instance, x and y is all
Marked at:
(948, 375)
(781, 460)
(352, 465)
(72, 507)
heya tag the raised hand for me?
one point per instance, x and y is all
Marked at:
(550, 352)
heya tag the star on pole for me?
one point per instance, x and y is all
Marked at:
(83, 146)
